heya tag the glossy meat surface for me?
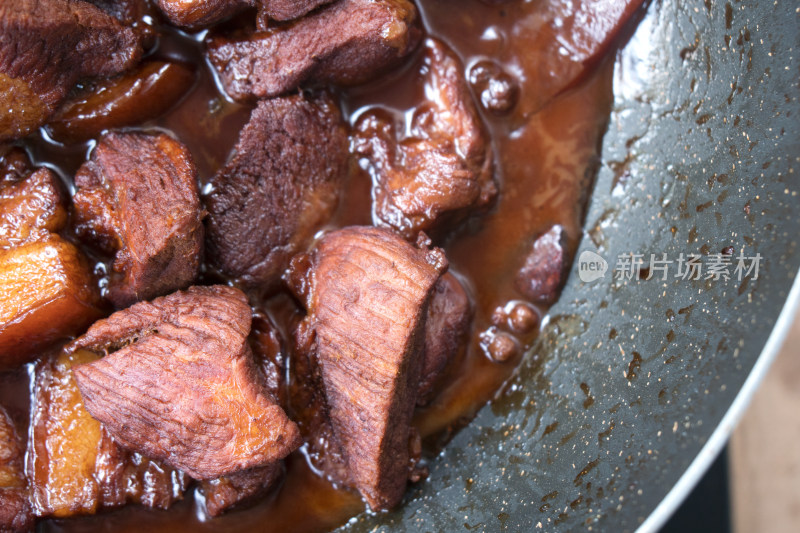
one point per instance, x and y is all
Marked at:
(49, 294)
(133, 98)
(207, 412)
(31, 209)
(14, 164)
(194, 14)
(137, 197)
(367, 308)
(48, 45)
(75, 466)
(346, 43)
(439, 169)
(280, 187)
(48, 289)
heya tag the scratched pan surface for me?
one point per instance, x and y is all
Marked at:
(633, 377)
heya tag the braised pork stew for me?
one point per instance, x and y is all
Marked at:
(261, 259)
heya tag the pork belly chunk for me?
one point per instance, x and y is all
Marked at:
(278, 190)
(442, 169)
(546, 267)
(140, 95)
(49, 294)
(15, 510)
(446, 332)
(206, 411)
(48, 289)
(194, 14)
(367, 297)
(346, 43)
(137, 198)
(246, 486)
(75, 466)
(31, 209)
(46, 46)
(14, 164)
(240, 488)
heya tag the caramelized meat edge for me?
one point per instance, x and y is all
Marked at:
(442, 170)
(137, 198)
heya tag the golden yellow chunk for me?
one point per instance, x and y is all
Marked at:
(74, 465)
(11, 475)
(48, 294)
(31, 209)
(66, 442)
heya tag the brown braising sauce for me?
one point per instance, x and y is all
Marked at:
(545, 162)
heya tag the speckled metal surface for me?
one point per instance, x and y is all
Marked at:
(630, 379)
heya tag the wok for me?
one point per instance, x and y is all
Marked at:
(634, 386)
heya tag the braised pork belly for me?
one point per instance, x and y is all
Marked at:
(346, 43)
(330, 230)
(437, 169)
(46, 46)
(137, 198)
(206, 411)
(279, 189)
